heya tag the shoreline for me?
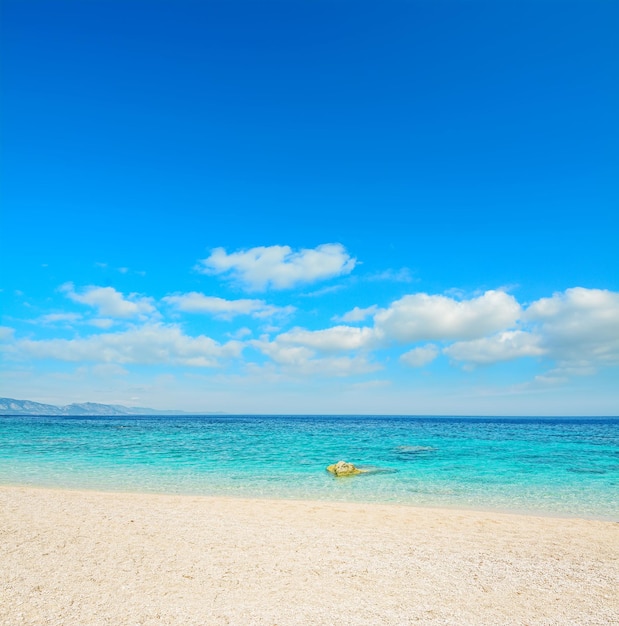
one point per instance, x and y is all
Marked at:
(95, 557)
(412, 505)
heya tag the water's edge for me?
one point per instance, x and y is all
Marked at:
(565, 467)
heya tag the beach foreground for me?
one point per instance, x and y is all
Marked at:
(78, 557)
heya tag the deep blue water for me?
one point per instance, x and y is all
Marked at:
(565, 466)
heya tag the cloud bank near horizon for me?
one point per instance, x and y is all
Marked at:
(107, 332)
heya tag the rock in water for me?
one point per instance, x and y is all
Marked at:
(342, 468)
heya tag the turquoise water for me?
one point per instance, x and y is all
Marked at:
(562, 466)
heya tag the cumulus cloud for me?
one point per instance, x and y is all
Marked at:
(101, 322)
(284, 354)
(357, 314)
(319, 352)
(219, 307)
(335, 339)
(241, 333)
(149, 344)
(279, 267)
(413, 318)
(403, 275)
(423, 317)
(6, 333)
(59, 318)
(579, 327)
(71, 319)
(340, 366)
(323, 291)
(418, 357)
(110, 302)
(106, 370)
(548, 379)
(571, 333)
(504, 346)
(300, 360)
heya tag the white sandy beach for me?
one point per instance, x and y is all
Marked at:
(82, 558)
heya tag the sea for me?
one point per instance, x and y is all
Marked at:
(547, 466)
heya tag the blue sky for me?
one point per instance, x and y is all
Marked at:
(298, 207)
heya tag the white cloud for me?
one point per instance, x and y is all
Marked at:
(241, 333)
(357, 314)
(413, 318)
(150, 344)
(335, 339)
(110, 302)
(68, 319)
(283, 354)
(403, 275)
(423, 317)
(6, 333)
(504, 346)
(579, 327)
(106, 370)
(341, 366)
(571, 334)
(309, 353)
(323, 291)
(101, 322)
(297, 360)
(55, 318)
(418, 357)
(278, 266)
(549, 379)
(219, 307)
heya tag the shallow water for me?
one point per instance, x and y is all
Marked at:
(563, 466)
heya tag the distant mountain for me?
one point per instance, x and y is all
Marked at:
(10, 406)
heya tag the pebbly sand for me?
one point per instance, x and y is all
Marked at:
(82, 558)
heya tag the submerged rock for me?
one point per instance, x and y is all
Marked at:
(342, 468)
(414, 449)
